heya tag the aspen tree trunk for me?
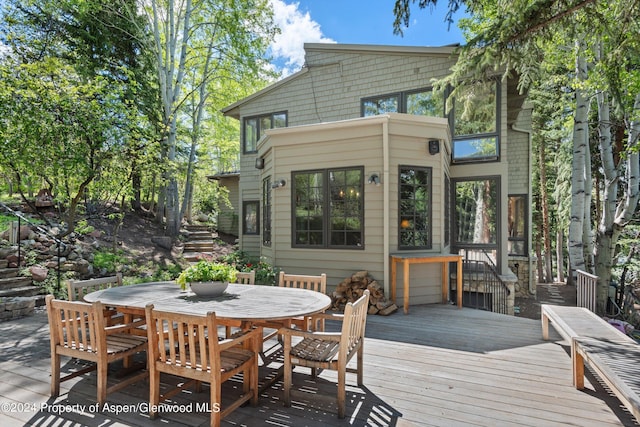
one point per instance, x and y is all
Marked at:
(548, 275)
(580, 135)
(616, 211)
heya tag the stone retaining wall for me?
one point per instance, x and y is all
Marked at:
(15, 307)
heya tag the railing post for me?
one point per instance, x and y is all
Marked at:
(586, 285)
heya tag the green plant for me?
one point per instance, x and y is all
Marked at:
(109, 260)
(205, 271)
(265, 273)
(83, 227)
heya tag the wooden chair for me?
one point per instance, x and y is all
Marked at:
(77, 289)
(314, 283)
(246, 277)
(78, 329)
(178, 345)
(322, 350)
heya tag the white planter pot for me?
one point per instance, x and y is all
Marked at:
(208, 289)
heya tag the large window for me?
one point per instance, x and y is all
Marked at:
(266, 211)
(517, 225)
(254, 127)
(422, 102)
(476, 212)
(415, 207)
(476, 123)
(328, 208)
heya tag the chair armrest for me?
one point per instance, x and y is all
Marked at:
(328, 316)
(255, 333)
(124, 327)
(325, 336)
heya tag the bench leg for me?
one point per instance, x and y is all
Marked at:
(545, 326)
(578, 367)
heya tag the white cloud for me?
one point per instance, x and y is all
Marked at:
(296, 28)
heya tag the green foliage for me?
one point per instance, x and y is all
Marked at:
(83, 227)
(205, 271)
(266, 274)
(109, 261)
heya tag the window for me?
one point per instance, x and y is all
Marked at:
(422, 102)
(251, 217)
(254, 127)
(414, 208)
(476, 123)
(328, 208)
(517, 225)
(476, 212)
(266, 211)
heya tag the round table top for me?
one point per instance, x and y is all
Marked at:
(239, 302)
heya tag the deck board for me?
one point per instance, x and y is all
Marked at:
(436, 366)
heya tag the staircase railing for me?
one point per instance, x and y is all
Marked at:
(483, 287)
(59, 243)
(586, 284)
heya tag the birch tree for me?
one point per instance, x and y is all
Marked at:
(198, 38)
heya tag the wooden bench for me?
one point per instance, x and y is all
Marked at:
(609, 352)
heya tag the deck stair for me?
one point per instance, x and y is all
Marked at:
(200, 242)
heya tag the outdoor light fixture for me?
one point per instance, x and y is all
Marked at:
(374, 178)
(259, 163)
(434, 146)
(279, 183)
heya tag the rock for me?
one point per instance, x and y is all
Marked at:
(38, 273)
(164, 242)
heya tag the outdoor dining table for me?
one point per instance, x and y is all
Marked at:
(239, 303)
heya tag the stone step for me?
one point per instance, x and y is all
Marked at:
(8, 272)
(16, 307)
(195, 256)
(200, 235)
(8, 283)
(4, 263)
(23, 291)
(198, 246)
(191, 228)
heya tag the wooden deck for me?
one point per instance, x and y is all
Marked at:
(437, 366)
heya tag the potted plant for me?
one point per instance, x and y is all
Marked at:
(207, 278)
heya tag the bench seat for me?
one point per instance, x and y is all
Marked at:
(610, 353)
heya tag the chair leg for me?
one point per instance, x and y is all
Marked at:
(101, 372)
(342, 394)
(287, 371)
(216, 395)
(154, 393)
(55, 375)
(360, 360)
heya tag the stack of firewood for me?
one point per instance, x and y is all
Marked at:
(351, 288)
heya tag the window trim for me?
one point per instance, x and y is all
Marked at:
(525, 230)
(245, 204)
(259, 131)
(469, 137)
(326, 209)
(267, 197)
(402, 99)
(429, 244)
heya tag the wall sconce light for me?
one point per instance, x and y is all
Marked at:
(374, 178)
(279, 183)
(434, 146)
(259, 163)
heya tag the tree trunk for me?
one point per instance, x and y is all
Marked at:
(544, 205)
(580, 135)
(560, 255)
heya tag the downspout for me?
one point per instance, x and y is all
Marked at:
(529, 202)
(385, 204)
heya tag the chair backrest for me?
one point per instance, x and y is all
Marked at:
(246, 277)
(353, 325)
(180, 340)
(77, 326)
(314, 283)
(77, 289)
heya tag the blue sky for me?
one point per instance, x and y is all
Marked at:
(353, 22)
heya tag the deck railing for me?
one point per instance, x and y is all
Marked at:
(586, 284)
(483, 288)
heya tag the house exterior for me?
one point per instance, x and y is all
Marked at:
(355, 158)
